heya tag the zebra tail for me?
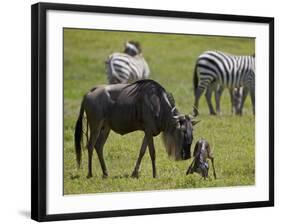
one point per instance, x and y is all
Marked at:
(195, 79)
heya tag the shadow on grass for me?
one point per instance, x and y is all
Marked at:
(73, 177)
(121, 176)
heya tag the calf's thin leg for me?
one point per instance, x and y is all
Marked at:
(190, 168)
(141, 154)
(213, 165)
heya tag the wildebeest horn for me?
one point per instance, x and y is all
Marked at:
(195, 122)
(173, 110)
(179, 116)
(190, 116)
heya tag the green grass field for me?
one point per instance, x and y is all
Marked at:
(171, 59)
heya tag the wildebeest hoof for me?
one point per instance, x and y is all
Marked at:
(104, 176)
(89, 176)
(213, 113)
(135, 174)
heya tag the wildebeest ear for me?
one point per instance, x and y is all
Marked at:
(194, 122)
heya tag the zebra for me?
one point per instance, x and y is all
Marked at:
(127, 67)
(215, 70)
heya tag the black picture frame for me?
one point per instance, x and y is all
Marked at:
(38, 110)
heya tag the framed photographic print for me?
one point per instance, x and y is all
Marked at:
(194, 90)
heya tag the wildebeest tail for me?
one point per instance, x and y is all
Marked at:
(195, 79)
(78, 134)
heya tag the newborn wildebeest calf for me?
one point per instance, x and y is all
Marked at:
(202, 152)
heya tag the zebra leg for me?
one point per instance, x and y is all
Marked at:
(198, 94)
(218, 94)
(208, 96)
(141, 154)
(232, 100)
(152, 155)
(245, 93)
(237, 98)
(252, 92)
(99, 148)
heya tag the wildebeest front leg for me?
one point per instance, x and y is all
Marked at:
(141, 154)
(152, 155)
(99, 148)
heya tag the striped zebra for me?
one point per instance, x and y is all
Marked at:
(216, 70)
(127, 67)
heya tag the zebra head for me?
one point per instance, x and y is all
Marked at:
(132, 48)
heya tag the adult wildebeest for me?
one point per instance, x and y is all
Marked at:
(144, 105)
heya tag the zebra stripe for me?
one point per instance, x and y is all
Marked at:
(215, 70)
(124, 68)
(227, 70)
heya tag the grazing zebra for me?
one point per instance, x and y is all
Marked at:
(127, 67)
(215, 70)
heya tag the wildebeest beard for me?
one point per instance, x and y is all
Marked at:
(177, 142)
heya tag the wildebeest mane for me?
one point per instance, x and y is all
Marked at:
(167, 101)
(145, 84)
(150, 87)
